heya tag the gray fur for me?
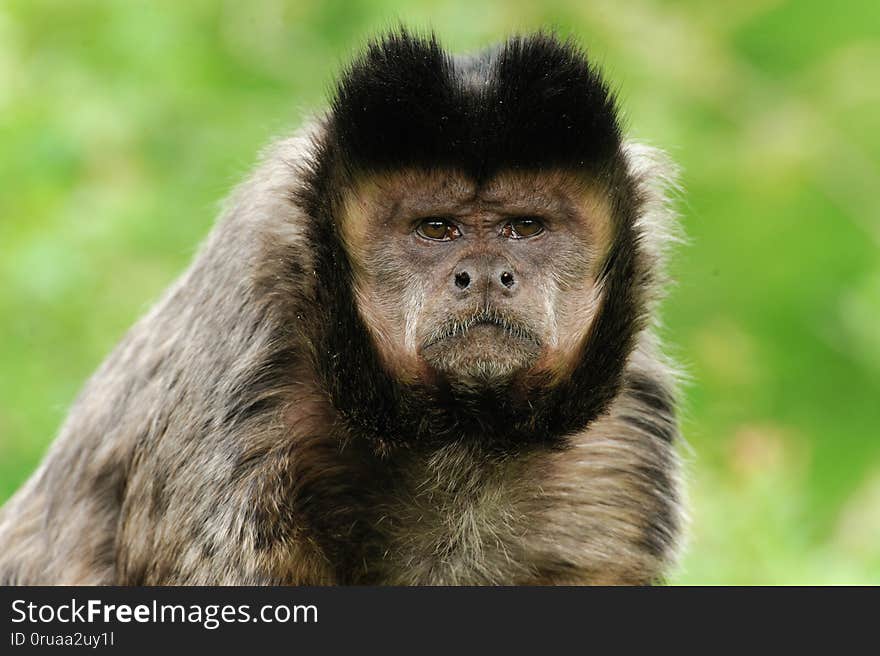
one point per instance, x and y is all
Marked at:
(161, 476)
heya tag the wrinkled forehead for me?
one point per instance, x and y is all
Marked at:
(413, 190)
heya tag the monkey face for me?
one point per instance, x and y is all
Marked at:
(478, 261)
(476, 284)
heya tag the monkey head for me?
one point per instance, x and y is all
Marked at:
(481, 268)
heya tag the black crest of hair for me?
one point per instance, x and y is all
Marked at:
(533, 102)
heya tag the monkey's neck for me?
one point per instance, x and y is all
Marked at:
(364, 514)
(416, 516)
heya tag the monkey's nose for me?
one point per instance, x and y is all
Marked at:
(486, 277)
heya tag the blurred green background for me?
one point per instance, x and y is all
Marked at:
(122, 124)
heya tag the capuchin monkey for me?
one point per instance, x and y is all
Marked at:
(417, 348)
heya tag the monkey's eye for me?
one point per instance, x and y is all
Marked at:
(522, 228)
(438, 229)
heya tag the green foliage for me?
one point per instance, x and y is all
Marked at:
(122, 125)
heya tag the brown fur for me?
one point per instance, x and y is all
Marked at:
(162, 475)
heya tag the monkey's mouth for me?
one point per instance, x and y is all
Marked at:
(482, 321)
(484, 346)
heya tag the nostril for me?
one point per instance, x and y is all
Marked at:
(507, 279)
(462, 279)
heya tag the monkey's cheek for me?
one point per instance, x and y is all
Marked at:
(553, 366)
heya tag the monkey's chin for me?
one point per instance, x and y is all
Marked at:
(485, 356)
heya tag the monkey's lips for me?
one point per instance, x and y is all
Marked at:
(485, 351)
